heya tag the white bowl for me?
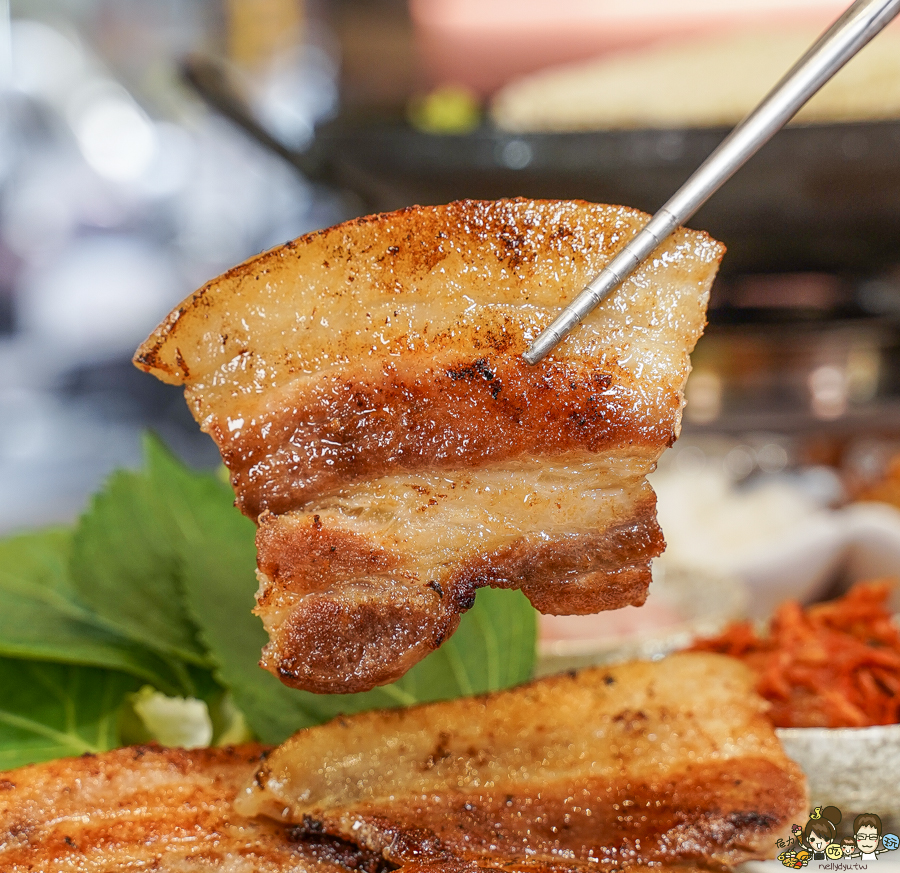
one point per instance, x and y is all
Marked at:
(855, 769)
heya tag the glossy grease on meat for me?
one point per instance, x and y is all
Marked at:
(149, 809)
(366, 389)
(644, 763)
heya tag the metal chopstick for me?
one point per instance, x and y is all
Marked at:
(853, 30)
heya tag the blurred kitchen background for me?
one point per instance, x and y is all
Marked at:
(146, 147)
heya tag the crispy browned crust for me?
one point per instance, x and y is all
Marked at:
(170, 811)
(721, 812)
(141, 809)
(427, 412)
(670, 763)
(345, 614)
(575, 574)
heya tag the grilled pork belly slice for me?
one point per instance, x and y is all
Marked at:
(146, 808)
(399, 558)
(170, 811)
(644, 763)
(367, 380)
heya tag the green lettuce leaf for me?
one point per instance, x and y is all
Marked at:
(124, 566)
(42, 617)
(57, 710)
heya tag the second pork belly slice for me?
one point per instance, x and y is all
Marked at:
(368, 379)
(399, 558)
(666, 763)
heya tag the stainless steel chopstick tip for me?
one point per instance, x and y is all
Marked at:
(547, 340)
(552, 335)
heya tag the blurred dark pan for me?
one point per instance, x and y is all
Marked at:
(817, 197)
